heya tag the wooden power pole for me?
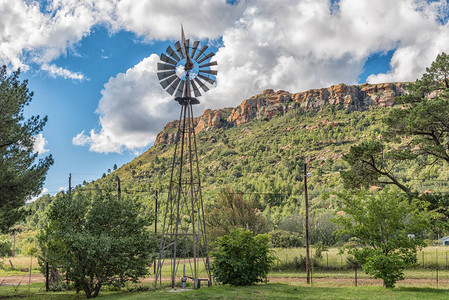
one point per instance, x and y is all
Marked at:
(307, 224)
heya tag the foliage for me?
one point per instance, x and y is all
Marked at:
(241, 258)
(286, 239)
(20, 175)
(263, 159)
(231, 211)
(99, 240)
(416, 130)
(5, 248)
(383, 222)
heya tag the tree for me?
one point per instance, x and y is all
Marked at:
(20, 175)
(99, 240)
(419, 128)
(231, 211)
(114, 167)
(383, 222)
(241, 258)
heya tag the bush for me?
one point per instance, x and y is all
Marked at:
(241, 258)
(285, 239)
(5, 248)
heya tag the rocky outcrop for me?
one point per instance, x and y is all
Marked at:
(168, 134)
(271, 103)
(354, 97)
(212, 119)
(264, 106)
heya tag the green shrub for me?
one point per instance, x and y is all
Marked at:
(285, 239)
(5, 248)
(241, 258)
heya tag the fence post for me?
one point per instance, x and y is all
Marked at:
(422, 252)
(436, 259)
(356, 276)
(47, 275)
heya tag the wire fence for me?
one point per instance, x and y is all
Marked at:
(19, 274)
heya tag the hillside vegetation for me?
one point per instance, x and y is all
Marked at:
(258, 149)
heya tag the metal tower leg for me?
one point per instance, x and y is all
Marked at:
(184, 213)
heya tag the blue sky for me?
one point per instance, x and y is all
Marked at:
(92, 65)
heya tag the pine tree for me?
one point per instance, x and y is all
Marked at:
(21, 176)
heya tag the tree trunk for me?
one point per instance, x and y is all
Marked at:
(54, 276)
(97, 290)
(86, 290)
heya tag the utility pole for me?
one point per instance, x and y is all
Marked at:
(70, 192)
(155, 224)
(307, 224)
(119, 191)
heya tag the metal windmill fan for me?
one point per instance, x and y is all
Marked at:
(186, 69)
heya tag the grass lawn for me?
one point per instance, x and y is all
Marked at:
(261, 291)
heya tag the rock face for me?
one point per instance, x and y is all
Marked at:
(271, 103)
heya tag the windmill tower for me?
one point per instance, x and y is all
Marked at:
(182, 72)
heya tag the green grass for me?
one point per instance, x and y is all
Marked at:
(261, 291)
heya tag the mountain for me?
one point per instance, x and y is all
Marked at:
(259, 146)
(269, 104)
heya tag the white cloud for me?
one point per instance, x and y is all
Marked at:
(56, 71)
(32, 199)
(288, 44)
(299, 45)
(291, 45)
(34, 33)
(132, 109)
(39, 144)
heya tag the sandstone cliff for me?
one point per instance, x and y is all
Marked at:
(271, 103)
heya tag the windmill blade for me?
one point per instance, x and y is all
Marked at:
(163, 67)
(172, 53)
(210, 80)
(195, 45)
(213, 72)
(171, 89)
(212, 63)
(167, 81)
(201, 52)
(196, 91)
(179, 49)
(180, 89)
(209, 55)
(167, 59)
(163, 75)
(202, 85)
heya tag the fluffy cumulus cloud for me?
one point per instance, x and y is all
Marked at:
(132, 109)
(39, 144)
(287, 44)
(34, 198)
(298, 45)
(35, 32)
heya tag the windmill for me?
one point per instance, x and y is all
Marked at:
(182, 72)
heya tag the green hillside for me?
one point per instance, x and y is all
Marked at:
(263, 159)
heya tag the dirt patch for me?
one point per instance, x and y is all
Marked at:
(322, 281)
(21, 279)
